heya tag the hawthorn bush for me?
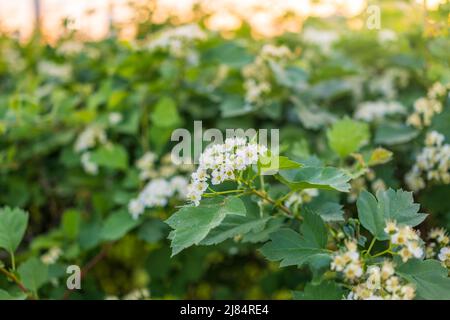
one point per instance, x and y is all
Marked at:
(357, 210)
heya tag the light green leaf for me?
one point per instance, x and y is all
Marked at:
(328, 210)
(327, 178)
(429, 277)
(165, 114)
(347, 136)
(111, 156)
(70, 222)
(117, 225)
(272, 164)
(33, 274)
(263, 235)
(388, 205)
(327, 290)
(5, 295)
(13, 223)
(192, 224)
(234, 225)
(394, 133)
(291, 248)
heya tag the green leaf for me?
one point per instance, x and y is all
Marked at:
(272, 164)
(347, 136)
(388, 205)
(13, 223)
(327, 290)
(234, 225)
(152, 230)
(165, 114)
(71, 220)
(327, 178)
(33, 274)
(192, 224)
(394, 133)
(429, 277)
(328, 210)
(111, 156)
(117, 225)
(263, 235)
(5, 295)
(291, 248)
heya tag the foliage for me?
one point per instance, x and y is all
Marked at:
(85, 148)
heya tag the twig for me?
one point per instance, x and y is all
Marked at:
(13, 277)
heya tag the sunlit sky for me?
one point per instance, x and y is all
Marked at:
(92, 17)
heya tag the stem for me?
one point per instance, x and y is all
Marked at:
(14, 279)
(370, 246)
(215, 193)
(13, 261)
(271, 201)
(261, 180)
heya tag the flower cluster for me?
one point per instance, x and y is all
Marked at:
(405, 241)
(324, 39)
(88, 139)
(438, 246)
(147, 167)
(426, 107)
(157, 193)
(176, 40)
(381, 283)
(377, 110)
(221, 162)
(432, 164)
(54, 70)
(257, 75)
(348, 261)
(51, 256)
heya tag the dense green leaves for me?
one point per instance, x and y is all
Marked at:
(192, 224)
(429, 277)
(388, 205)
(327, 178)
(291, 248)
(347, 136)
(13, 223)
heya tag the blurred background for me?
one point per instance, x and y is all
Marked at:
(93, 19)
(90, 91)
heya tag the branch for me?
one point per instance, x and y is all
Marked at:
(14, 279)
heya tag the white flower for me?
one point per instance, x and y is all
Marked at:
(89, 138)
(353, 271)
(51, 256)
(376, 110)
(387, 35)
(324, 39)
(136, 208)
(444, 254)
(115, 118)
(88, 166)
